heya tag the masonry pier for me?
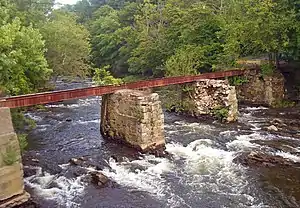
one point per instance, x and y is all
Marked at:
(134, 118)
(211, 97)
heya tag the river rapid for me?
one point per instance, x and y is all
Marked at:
(200, 171)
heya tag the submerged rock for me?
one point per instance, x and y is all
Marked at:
(77, 161)
(99, 179)
(260, 159)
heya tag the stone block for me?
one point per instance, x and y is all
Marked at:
(5, 121)
(11, 181)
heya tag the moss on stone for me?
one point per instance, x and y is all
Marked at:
(10, 156)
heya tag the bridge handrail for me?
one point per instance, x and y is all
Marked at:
(55, 96)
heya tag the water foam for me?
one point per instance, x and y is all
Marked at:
(255, 108)
(33, 116)
(143, 175)
(54, 187)
(88, 122)
(208, 169)
(288, 155)
(243, 142)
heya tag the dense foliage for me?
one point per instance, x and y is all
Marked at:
(35, 43)
(140, 38)
(177, 37)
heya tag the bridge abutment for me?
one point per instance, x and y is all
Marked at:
(134, 118)
(11, 170)
(261, 89)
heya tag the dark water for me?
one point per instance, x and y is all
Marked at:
(199, 173)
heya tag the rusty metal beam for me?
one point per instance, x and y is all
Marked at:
(55, 96)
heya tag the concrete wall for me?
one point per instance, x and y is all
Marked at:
(11, 173)
(134, 118)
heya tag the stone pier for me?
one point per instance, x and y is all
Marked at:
(134, 118)
(11, 172)
(211, 97)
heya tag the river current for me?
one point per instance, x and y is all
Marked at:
(200, 172)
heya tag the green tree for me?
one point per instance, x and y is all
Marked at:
(113, 37)
(23, 68)
(258, 27)
(103, 77)
(67, 45)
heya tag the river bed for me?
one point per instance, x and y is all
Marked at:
(200, 172)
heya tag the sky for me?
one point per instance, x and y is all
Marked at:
(66, 1)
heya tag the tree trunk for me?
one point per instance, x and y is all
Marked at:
(277, 60)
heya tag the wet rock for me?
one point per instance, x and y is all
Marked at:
(259, 159)
(68, 119)
(160, 153)
(283, 145)
(77, 161)
(99, 179)
(272, 128)
(115, 158)
(277, 121)
(28, 171)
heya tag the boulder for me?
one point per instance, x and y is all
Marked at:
(99, 179)
(259, 159)
(272, 128)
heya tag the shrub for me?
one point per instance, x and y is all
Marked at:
(221, 113)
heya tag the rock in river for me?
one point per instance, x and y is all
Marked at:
(259, 159)
(272, 128)
(99, 179)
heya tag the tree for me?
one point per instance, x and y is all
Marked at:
(82, 9)
(103, 77)
(67, 45)
(33, 12)
(258, 27)
(23, 68)
(113, 37)
(170, 30)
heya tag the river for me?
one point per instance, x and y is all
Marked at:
(200, 172)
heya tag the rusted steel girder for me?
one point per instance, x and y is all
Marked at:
(55, 96)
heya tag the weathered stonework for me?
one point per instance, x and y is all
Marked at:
(207, 96)
(264, 90)
(134, 118)
(11, 175)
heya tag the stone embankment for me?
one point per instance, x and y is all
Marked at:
(261, 89)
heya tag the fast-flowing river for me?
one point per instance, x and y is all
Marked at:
(199, 173)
